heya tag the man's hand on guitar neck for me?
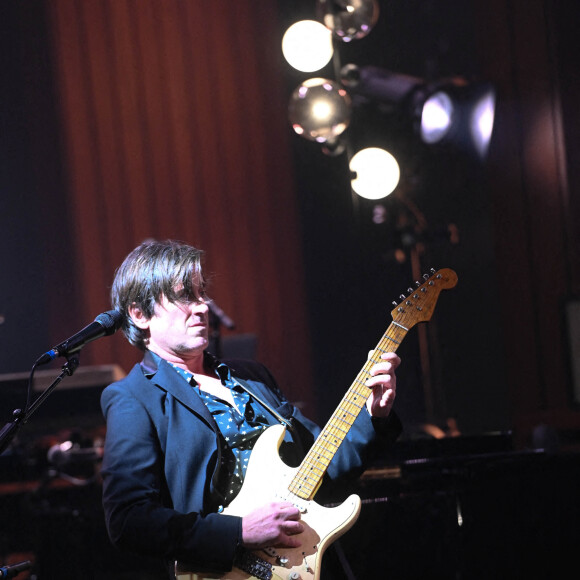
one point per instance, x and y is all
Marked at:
(274, 524)
(383, 382)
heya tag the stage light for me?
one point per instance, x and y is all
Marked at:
(470, 109)
(449, 111)
(378, 84)
(482, 119)
(307, 45)
(319, 110)
(349, 19)
(375, 173)
(436, 117)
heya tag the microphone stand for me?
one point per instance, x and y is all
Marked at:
(215, 338)
(20, 417)
(217, 317)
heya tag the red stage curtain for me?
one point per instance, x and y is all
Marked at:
(174, 126)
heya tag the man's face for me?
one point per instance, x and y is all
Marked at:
(178, 330)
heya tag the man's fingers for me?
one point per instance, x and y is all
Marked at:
(289, 511)
(386, 356)
(292, 527)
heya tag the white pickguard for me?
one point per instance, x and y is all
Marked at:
(267, 479)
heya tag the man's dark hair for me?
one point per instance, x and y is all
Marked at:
(152, 270)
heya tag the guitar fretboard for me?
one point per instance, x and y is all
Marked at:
(309, 476)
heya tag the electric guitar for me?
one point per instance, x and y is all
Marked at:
(269, 479)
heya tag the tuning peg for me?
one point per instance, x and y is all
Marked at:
(418, 283)
(433, 270)
(409, 290)
(395, 303)
(425, 276)
(402, 297)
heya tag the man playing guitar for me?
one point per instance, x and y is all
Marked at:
(182, 425)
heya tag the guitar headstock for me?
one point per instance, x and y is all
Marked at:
(418, 306)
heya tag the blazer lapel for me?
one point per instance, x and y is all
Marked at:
(165, 377)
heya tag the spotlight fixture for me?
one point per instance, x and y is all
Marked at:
(436, 116)
(442, 112)
(459, 114)
(482, 116)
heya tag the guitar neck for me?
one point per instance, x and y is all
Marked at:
(309, 476)
(416, 307)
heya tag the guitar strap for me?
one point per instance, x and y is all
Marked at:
(286, 422)
(245, 559)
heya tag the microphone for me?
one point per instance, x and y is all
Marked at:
(11, 571)
(221, 315)
(105, 324)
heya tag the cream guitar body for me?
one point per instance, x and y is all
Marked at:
(267, 476)
(269, 479)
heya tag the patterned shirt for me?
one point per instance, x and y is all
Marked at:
(239, 426)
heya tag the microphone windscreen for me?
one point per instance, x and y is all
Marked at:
(111, 321)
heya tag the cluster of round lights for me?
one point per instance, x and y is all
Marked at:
(320, 108)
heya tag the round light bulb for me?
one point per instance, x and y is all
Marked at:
(319, 110)
(350, 19)
(376, 173)
(307, 45)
